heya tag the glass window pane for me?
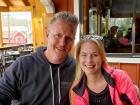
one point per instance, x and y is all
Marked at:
(16, 28)
(92, 21)
(119, 37)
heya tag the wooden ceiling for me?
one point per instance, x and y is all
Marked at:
(14, 3)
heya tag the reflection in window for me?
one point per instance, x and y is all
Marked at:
(16, 28)
(119, 37)
(92, 21)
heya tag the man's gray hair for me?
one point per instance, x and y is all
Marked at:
(66, 17)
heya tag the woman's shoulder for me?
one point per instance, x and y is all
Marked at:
(118, 74)
(121, 77)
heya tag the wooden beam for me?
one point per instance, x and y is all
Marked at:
(15, 9)
(85, 16)
(15, 46)
(17, 3)
(26, 2)
(2, 3)
(8, 3)
(1, 38)
(4, 9)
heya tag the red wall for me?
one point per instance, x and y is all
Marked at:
(64, 5)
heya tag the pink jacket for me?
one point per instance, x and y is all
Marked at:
(121, 89)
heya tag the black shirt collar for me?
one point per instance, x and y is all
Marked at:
(79, 89)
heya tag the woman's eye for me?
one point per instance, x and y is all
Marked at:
(95, 54)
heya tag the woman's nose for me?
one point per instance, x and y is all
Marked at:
(90, 58)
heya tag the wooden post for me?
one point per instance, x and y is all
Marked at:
(85, 16)
(1, 38)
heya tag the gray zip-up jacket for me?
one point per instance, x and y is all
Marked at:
(30, 80)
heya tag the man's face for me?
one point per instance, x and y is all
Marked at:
(60, 38)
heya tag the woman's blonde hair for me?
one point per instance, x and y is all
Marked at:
(79, 72)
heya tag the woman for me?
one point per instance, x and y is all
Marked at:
(96, 83)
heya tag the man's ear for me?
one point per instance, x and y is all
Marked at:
(47, 34)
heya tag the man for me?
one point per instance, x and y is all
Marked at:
(44, 77)
(113, 32)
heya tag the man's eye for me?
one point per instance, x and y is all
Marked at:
(69, 39)
(58, 35)
(83, 55)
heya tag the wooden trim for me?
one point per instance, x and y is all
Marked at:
(119, 65)
(8, 3)
(16, 46)
(1, 40)
(85, 16)
(15, 9)
(4, 9)
(100, 25)
(26, 2)
(107, 24)
(138, 75)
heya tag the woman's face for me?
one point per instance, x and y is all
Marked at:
(89, 58)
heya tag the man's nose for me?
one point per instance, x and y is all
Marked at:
(62, 41)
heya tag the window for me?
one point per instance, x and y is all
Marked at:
(92, 21)
(119, 36)
(16, 28)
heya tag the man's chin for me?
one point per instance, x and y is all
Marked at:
(60, 53)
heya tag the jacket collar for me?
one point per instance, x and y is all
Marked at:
(41, 57)
(80, 88)
(109, 77)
